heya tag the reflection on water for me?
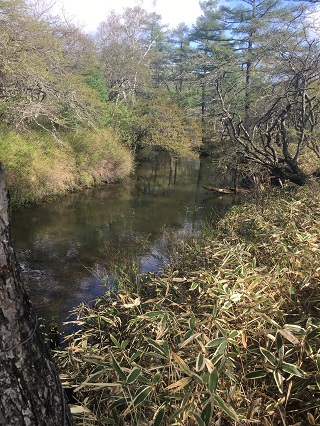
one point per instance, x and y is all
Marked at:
(61, 245)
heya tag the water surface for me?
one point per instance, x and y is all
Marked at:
(61, 245)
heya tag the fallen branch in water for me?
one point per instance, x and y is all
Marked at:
(225, 191)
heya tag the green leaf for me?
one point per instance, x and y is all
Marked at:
(234, 333)
(158, 417)
(313, 334)
(194, 285)
(302, 384)
(222, 330)
(294, 328)
(135, 373)
(192, 323)
(157, 346)
(292, 369)
(225, 407)
(279, 379)
(213, 381)
(206, 414)
(221, 348)
(200, 362)
(156, 378)
(143, 379)
(269, 356)
(117, 368)
(124, 344)
(142, 395)
(257, 374)
(115, 341)
(216, 359)
(216, 342)
(198, 419)
(135, 355)
(292, 293)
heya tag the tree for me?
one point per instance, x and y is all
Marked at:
(125, 44)
(213, 51)
(268, 95)
(31, 392)
(39, 79)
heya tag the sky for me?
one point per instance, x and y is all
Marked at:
(91, 12)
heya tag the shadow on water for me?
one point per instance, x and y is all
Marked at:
(62, 245)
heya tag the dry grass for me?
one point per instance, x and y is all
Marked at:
(38, 165)
(228, 335)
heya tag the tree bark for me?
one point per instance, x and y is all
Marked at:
(30, 390)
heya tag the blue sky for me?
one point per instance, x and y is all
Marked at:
(91, 12)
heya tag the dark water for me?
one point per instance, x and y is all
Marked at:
(64, 246)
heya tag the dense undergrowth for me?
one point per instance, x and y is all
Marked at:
(227, 335)
(39, 164)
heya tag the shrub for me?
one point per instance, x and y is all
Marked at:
(39, 165)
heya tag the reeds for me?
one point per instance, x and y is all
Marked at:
(228, 335)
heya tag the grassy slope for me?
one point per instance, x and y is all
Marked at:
(38, 165)
(228, 334)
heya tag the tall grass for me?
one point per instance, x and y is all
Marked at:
(38, 165)
(228, 335)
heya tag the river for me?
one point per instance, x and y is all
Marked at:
(65, 246)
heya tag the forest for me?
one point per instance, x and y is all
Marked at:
(241, 84)
(228, 333)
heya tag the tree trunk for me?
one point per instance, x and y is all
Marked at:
(30, 389)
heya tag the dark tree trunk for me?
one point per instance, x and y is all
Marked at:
(30, 390)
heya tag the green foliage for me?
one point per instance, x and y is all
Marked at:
(162, 122)
(39, 165)
(229, 333)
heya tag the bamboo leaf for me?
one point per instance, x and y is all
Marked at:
(317, 377)
(221, 348)
(216, 342)
(294, 328)
(312, 334)
(143, 379)
(257, 374)
(192, 323)
(115, 341)
(225, 407)
(180, 384)
(78, 409)
(279, 380)
(200, 362)
(289, 336)
(187, 341)
(292, 369)
(269, 356)
(158, 417)
(183, 365)
(135, 373)
(142, 395)
(198, 419)
(206, 414)
(139, 398)
(117, 368)
(157, 346)
(213, 381)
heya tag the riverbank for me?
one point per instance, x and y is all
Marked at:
(39, 164)
(229, 332)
